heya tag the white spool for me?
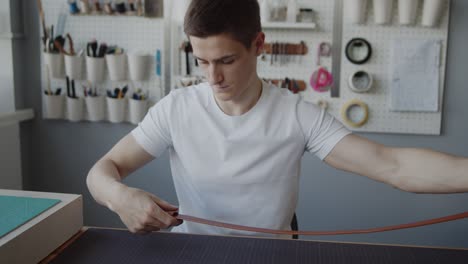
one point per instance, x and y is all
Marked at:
(356, 84)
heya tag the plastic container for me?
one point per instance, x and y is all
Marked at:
(278, 11)
(116, 109)
(53, 106)
(74, 109)
(356, 11)
(137, 109)
(95, 107)
(138, 64)
(73, 67)
(116, 67)
(432, 12)
(55, 64)
(407, 11)
(306, 15)
(95, 68)
(383, 10)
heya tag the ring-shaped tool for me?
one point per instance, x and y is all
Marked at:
(360, 81)
(345, 110)
(353, 49)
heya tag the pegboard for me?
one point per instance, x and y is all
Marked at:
(135, 34)
(381, 118)
(381, 37)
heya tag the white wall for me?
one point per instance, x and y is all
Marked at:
(7, 102)
(10, 156)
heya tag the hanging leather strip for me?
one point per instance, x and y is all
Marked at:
(322, 233)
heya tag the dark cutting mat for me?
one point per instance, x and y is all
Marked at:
(120, 246)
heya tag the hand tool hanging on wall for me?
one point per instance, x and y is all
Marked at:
(280, 51)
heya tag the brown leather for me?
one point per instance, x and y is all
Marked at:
(322, 233)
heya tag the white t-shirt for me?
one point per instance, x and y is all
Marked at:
(237, 169)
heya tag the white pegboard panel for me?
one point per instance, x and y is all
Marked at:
(381, 119)
(132, 33)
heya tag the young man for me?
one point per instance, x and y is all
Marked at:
(236, 142)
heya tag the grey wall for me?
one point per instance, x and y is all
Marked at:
(57, 156)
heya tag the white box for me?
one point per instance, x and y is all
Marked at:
(37, 238)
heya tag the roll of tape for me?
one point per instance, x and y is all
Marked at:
(355, 47)
(360, 81)
(346, 109)
(321, 80)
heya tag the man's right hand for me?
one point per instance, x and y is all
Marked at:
(142, 212)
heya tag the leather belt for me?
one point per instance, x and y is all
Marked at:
(322, 233)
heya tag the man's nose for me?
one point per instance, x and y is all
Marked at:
(215, 75)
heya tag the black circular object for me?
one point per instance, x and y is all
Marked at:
(358, 43)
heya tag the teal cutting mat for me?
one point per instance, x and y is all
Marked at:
(15, 211)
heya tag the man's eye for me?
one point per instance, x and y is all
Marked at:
(227, 61)
(202, 62)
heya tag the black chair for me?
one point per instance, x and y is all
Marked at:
(294, 226)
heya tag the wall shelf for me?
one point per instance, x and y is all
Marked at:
(286, 25)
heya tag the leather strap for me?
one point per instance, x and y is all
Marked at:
(322, 233)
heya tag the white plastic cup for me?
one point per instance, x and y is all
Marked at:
(356, 11)
(138, 109)
(73, 67)
(74, 109)
(116, 67)
(55, 63)
(53, 106)
(95, 108)
(116, 109)
(407, 11)
(138, 65)
(432, 11)
(95, 69)
(383, 10)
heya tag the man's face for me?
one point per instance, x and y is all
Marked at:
(228, 65)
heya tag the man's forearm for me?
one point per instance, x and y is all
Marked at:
(427, 171)
(104, 182)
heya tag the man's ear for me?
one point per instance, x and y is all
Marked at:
(259, 43)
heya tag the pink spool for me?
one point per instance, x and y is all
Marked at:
(321, 80)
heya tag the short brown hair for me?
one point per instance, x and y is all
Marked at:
(239, 18)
